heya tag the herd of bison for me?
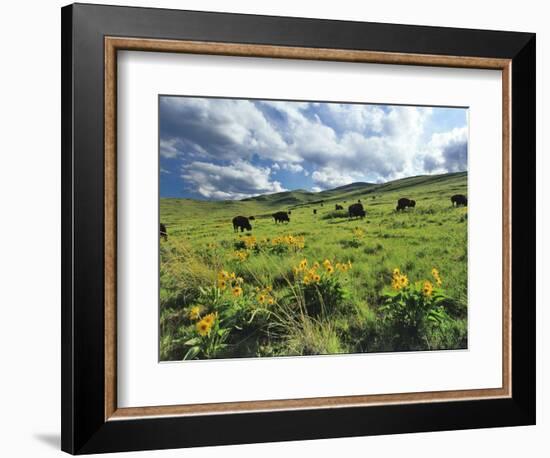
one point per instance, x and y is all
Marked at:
(354, 211)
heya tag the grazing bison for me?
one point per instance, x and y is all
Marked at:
(404, 203)
(338, 207)
(289, 212)
(358, 201)
(251, 218)
(281, 217)
(314, 211)
(356, 210)
(242, 223)
(163, 232)
(459, 199)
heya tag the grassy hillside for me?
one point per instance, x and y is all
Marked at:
(279, 307)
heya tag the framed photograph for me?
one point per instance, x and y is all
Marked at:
(282, 228)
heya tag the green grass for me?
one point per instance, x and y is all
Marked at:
(201, 243)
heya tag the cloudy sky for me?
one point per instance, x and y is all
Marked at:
(235, 148)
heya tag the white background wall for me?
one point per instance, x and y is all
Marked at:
(30, 226)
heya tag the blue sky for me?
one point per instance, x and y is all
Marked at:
(219, 149)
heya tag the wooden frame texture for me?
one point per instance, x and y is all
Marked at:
(90, 412)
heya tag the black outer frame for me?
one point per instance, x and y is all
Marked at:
(84, 429)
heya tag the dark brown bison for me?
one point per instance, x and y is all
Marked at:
(314, 211)
(289, 212)
(338, 207)
(356, 211)
(459, 199)
(242, 223)
(251, 218)
(404, 203)
(163, 232)
(281, 217)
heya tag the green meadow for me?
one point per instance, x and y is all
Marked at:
(322, 283)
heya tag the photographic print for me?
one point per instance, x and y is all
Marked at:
(299, 228)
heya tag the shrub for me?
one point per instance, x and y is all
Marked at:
(414, 313)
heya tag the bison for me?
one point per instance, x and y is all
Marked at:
(163, 232)
(242, 223)
(314, 211)
(338, 207)
(356, 210)
(459, 199)
(404, 203)
(251, 218)
(289, 212)
(281, 217)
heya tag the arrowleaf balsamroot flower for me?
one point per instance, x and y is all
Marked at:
(195, 312)
(427, 288)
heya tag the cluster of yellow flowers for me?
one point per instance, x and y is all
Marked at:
(296, 242)
(343, 267)
(230, 280)
(436, 276)
(249, 242)
(240, 255)
(264, 295)
(358, 233)
(399, 280)
(312, 275)
(203, 326)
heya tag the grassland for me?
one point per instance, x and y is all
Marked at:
(260, 293)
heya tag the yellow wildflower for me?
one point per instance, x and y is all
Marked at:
(222, 284)
(203, 327)
(427, 289)
(261, 298)
(330, 269)
(237, 291)
(210, 318)
(194, 312)
(435, 274)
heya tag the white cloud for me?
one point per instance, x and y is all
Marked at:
(447, 151)
(225, 128)
(330, 178)
(238, 180)
(294, 168)
(168, 148)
